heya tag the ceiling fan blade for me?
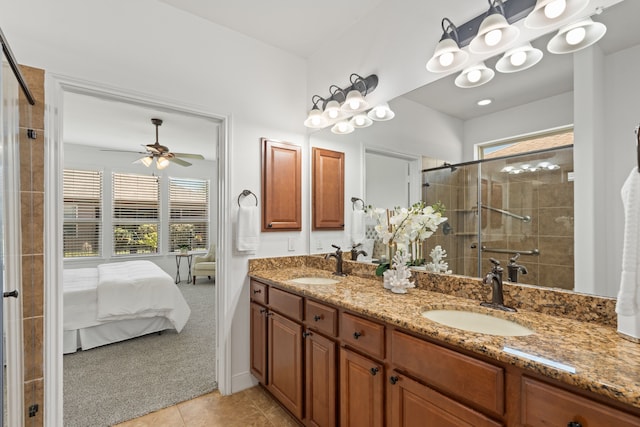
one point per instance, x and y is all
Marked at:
(122, 151)
(153, 149)
(178, 161)
(189, 155)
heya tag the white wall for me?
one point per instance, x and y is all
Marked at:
(148, 47)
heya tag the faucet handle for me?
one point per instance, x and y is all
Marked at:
(515, 257)
(494, 262)
(335, 246)
(355, 245)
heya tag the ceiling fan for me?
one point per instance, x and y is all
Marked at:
(161, 153)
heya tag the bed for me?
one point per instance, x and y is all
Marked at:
(117, 301)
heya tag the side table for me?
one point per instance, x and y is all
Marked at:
(179, 257)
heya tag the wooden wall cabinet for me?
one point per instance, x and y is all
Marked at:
(328, 189)
(281, 186)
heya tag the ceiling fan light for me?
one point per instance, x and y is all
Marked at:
(494, 34)
(474, 76)
(162, 163)
(547, 13)
(519, 58)
(576, 36)
(146, 161)
(381, 113)
(447, 56)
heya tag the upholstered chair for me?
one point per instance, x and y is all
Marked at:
(205, 265)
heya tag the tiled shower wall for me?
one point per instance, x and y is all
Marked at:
(546, 196)
(32, 223)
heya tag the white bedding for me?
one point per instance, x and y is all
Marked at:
(117, 293)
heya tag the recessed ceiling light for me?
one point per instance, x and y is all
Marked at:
(484, 102)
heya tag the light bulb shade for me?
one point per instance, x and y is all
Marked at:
(342, 128)
(361, 121)
(381, 113)
(162, 163)
(549, 12)
(593, 31)
(315, 120)
(332, 110)
(447, 48)
(146, 160)
(354, 102)
(474, 76)
(494, 24)
(532, 56)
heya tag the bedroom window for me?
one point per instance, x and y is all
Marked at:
(82, 193)
(136, 214)
(188, 214)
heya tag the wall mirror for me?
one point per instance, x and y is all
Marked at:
(443, 122)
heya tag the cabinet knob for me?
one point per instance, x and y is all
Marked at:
(270, 313)
(357, 335)
(257, 291)
(374, 370)
(263, 310)
(574, 424)
(270, 225)
(394, 379)
(306, 334)
(317, 318)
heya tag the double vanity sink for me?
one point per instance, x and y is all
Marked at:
(454, 317)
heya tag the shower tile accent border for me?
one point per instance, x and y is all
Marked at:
(551, 301)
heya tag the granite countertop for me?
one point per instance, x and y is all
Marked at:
(587, 355)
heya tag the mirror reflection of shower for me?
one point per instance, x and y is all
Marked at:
(496, 212)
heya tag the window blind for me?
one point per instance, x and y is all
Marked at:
(136, 213)
(188, 213)
(82, 222)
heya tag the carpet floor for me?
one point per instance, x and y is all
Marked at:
(117, 382)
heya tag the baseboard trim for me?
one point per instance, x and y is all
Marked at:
(242, 381)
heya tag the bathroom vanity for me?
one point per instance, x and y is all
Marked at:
(344, 351)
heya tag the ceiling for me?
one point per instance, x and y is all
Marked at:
(301, 27)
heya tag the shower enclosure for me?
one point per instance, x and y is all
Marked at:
(514, 209)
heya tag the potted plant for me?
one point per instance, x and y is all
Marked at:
(184, 249)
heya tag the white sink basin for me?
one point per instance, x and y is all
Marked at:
(477, 322)
(314, 281)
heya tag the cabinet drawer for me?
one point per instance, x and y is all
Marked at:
(321, 318)
(258, 292)
(546, 405)
(362, 334)
(285, 303)
(450, 371)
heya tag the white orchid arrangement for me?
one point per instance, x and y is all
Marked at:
(403, 226)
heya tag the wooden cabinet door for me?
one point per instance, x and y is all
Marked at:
(285, 362)
(258, 328)
(416, 405)
(281, 186)
(361, 391)
(328, 189)
(320, 380)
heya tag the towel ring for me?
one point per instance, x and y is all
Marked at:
(354, 200)
(246, 193)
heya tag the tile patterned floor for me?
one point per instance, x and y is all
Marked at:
(251, 407)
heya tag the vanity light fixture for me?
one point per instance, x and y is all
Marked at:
(341, 103)
(315, 119)
(343, 127)
(361, 121)
(495, 32)
(381, 113)
(448, 54)
(474, 76)
(576, 36)
(518, 59)
(546, 13)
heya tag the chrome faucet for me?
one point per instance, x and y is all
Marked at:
(494, 278)
(338, 256)
(513, 268)
(355, 253)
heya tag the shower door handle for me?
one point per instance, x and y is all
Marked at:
(13, 294)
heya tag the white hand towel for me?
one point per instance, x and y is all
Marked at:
(248, 228)
(357, 226)
(628, 295)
